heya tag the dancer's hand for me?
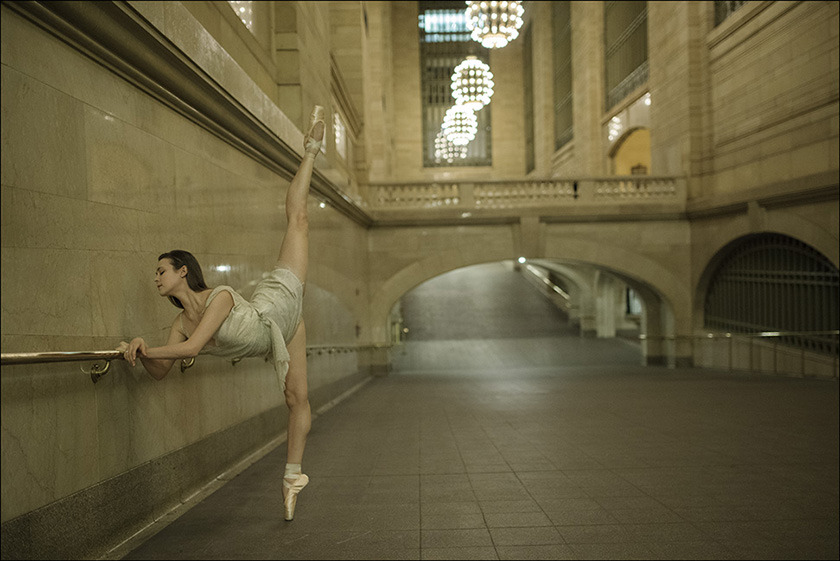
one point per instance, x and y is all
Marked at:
(137, 345)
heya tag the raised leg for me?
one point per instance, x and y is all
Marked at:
(294, 250)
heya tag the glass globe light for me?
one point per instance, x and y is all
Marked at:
(472, 83)
(494, 24)
(459, 125)
(446, 151)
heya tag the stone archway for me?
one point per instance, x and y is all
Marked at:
(664, 293)
(659, 344)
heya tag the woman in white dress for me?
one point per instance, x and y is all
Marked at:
(222, 323)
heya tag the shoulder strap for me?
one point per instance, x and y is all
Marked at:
(216, 292)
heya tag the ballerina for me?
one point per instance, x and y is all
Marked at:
(221, 322)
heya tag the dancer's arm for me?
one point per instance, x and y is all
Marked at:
(156, 367)
(159, 360)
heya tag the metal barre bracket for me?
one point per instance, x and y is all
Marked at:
(96, 371)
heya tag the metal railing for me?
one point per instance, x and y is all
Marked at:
(748, 351)
(98, 370)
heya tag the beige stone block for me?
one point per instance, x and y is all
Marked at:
(126, 167)
(131, 419)
(181, 401)
(183, 30)
(152, 10)
(48, 412)
(43, 142)
(46, 291)
(288, 66)
(124, 299)
(31, 219)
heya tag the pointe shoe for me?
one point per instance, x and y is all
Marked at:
(292, 489)
(313, 139)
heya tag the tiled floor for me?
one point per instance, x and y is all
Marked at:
(573, 463)
(539, 447)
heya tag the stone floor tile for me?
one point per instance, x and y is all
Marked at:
(451, 521)
(611, 551)
(516, 519)
(520, 505)
(541, 535)
(455, 538)
(528, 552)
(457, 553)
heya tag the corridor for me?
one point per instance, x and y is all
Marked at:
(501, 435)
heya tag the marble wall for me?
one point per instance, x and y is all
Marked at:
(98, 179)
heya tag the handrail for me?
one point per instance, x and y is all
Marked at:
(775, 336)
(333, 349)
(728, 335)
(96, 372)
(72, 356)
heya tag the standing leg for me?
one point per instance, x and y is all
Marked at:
(300, 420)
(297, 397)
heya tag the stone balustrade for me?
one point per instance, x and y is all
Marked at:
(542, 193)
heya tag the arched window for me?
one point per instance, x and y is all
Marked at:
(772, 282)
(631, 154)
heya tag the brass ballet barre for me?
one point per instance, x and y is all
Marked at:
(96, 371)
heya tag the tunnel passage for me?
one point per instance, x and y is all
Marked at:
(489, 317)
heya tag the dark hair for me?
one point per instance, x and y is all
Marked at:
(195, 278)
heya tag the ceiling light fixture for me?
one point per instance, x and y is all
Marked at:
(472, 83)
(446, 151)
(494, 24)
(460, 125)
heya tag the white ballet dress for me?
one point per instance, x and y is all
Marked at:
(263, 326)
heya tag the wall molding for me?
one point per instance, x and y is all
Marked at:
(119, 38)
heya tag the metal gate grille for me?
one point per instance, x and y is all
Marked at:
(772, 282)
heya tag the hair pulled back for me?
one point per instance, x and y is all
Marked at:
(195, 278)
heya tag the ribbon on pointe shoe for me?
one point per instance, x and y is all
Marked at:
(314, 138)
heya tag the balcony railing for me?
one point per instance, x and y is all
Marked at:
(541, 193)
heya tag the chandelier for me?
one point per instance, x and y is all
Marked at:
(459, 125)
(472, 83)
(447, 151)
(494, 24)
